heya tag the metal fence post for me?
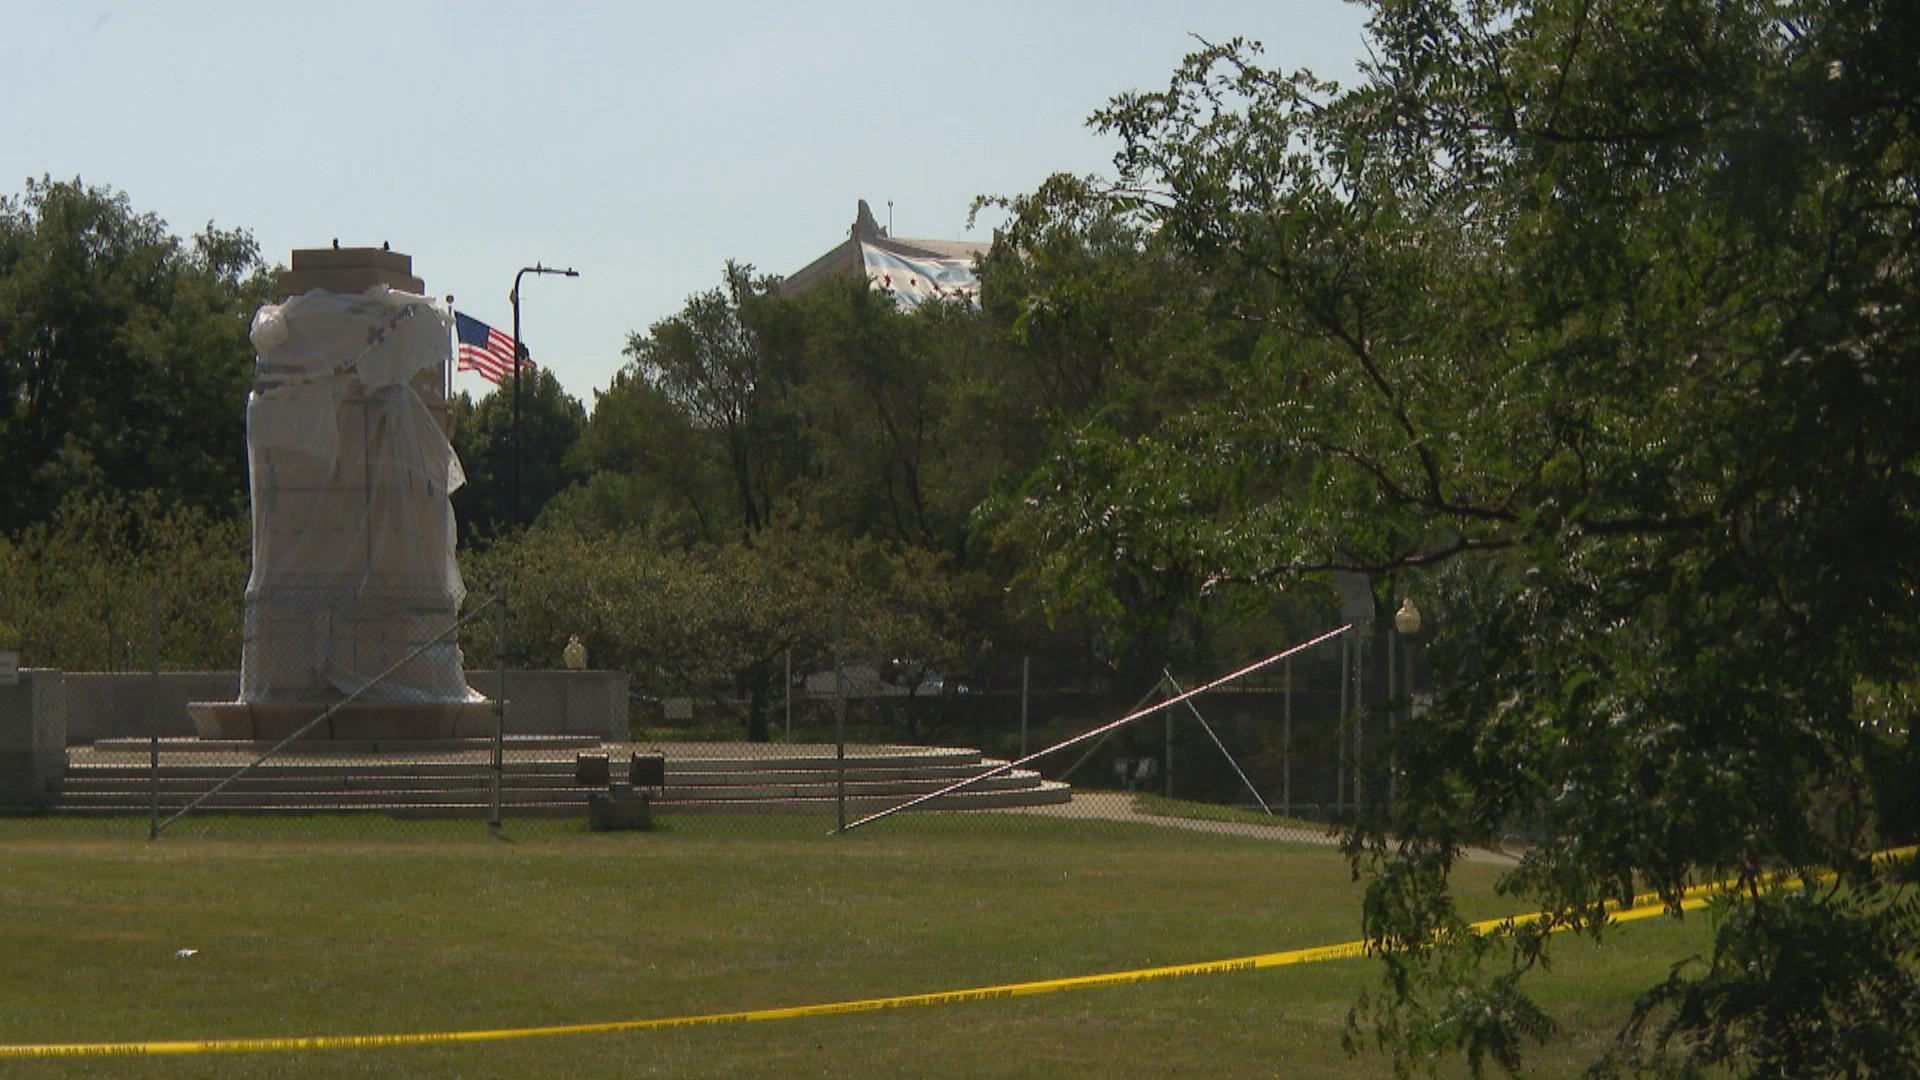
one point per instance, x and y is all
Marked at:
(1360, 721)
(840, 717)
(1286, 742)
(500, 699)
(1169, 761)
(1340, 731)
(1026, 675)
(1393, 753)
(153, 729)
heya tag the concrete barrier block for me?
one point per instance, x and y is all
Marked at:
(609, 813)
(33, 740)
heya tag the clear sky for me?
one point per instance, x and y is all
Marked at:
(641, 144)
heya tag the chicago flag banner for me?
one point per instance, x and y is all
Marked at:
(914, 281)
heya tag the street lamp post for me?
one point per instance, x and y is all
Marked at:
(1406, 623)
(518, 358)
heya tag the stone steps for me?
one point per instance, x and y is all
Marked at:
(333, 790)
(454, 778)
(82, 776)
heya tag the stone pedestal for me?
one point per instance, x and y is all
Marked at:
(348, 270)
(355, 722)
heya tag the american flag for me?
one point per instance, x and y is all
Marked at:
(485, 351)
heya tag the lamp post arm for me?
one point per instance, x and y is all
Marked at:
(513, 435)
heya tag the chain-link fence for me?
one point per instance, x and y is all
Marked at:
(403, 726)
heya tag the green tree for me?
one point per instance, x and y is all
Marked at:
(643, 461)
(113, 583)
(904, 418)
(707, 620)
(1593, 326)
(1116, 336)
(124, 359)
(755, 424)
(726, 363)
(551, 421)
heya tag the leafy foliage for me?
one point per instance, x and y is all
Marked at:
(550, 423)
(708, 620)
(113, 584)
(1142, 352)
(124, 359)
(757, 429)
(722, 366)
(1593, 325)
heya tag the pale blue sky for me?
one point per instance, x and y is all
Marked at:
(642, 144)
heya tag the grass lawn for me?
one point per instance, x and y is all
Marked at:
(323, 927)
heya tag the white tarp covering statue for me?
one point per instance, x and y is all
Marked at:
(353, 534)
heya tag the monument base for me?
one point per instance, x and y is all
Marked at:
(360, 721)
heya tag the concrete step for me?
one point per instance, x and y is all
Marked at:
(710, 775)
(325, 800)
(1010, 781)
(342, 747)
(538, 775)
(334, 789)
(1047, 792)
(1043, 793)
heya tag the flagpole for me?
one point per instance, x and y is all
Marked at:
(513, 425)
(453, 365)
(513, 502)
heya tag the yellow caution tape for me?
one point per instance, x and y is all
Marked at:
(1643, 907)
(793, 1012)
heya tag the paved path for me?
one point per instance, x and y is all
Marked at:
(1120, 806)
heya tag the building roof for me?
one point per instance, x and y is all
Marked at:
(848, 257)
